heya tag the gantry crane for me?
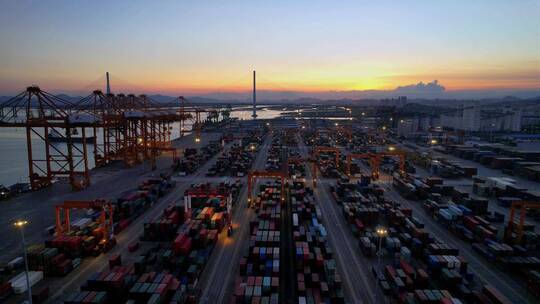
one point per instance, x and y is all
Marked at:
(522, 206)
(371, 157)
(46, 114)
(105, 218)
(205, 190)
(394, 153)
(253, 175)
(316, 151)
(375, 161)
(133, 128)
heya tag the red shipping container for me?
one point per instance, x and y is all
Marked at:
(167, 279)
(301, 287)
(90, 297)
(359, 225)
(115, 260)
(143, 278)
(275, 282)
(65, 267)
(185, 248)
(161, 289)
(58, 259)
(320, 260)
(470, 223)
(133, 246)
(124, 223)
(174, 217)
(175, 284)
(446, 301)
(390, 272)
(177, 244)
(407, 268)
(317, 296)
(481, 220)
(239, 290)
(406, 211)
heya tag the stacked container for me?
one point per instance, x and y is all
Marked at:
(317, 278)
(260, 268)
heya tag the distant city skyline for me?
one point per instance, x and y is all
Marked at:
(300, 48)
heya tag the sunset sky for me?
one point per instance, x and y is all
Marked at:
(190, 47)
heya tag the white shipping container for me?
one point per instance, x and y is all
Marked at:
(15, 263)
(457, 263)
(81, 223)
(450, 263)
(19, 282)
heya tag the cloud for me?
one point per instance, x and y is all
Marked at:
(421, 89)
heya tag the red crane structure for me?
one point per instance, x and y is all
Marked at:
(105, 219)
(48, 119)
(221, 192)
(522, 206)
(125, 128)
(375, 161)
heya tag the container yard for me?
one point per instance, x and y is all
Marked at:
(270, 152)
(287, 212)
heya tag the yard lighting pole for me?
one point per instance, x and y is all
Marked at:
(20, 225)
(381, 232)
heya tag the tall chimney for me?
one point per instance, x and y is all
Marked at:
(254, 115)
(108, 84)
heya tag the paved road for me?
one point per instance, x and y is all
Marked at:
(483, 270)
(355, 270)
(217, 279)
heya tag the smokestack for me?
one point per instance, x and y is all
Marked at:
(254, 115)
(108, 84)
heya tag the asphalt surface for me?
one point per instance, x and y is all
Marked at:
(355, 269)
(218, 278)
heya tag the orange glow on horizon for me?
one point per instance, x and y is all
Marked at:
(310, 80)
